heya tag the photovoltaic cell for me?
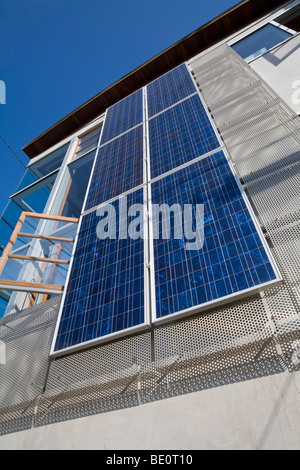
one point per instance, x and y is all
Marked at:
(179, 135)
(233, 257)
(119, 168)
(169, 89)
(122, 116)
(105, 292)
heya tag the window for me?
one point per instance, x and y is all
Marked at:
(34, 197)
(49, 163)
(291, 18)
(33, 194)
(262, 41)
(87, 143)
(69, 199)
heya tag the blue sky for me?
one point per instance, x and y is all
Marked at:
(57, 54)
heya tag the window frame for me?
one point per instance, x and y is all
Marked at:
(246, 35)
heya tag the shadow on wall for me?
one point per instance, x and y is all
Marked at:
(280, 53)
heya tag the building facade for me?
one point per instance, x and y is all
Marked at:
(150, 280)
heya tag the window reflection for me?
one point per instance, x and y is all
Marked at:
(260, 42)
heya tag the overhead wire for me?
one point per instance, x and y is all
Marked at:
(14, 153)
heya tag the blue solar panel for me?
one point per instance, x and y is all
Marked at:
(122, 116)
(179, 135)
(169, 89)
(119, 168)
(233, 257)
(105, 292)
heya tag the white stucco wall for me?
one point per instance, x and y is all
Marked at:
(257, 414)
(280, 68)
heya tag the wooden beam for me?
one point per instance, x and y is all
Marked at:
(46, 237)
(44, 260)
(13, 285)
(17, 230)
(11, 242)
(34, 215)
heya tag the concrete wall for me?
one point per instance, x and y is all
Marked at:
(258, 414)
(280, 68)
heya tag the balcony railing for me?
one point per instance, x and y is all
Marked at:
(38, 260)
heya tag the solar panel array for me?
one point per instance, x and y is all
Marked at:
(107, 291)
(179, 135)
(169, 89)
(123, 116)
(119, 167)
(232, 258)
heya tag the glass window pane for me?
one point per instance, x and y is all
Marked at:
(35, 197)
(8, 220)
(261, 41)
(28, 178)
(88, 142)
(4, 297)
(70, 197)
(50, 163)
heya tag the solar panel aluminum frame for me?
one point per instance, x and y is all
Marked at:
(130, 128)
(149, 273)
(188, 68)
(197, 92)
(147, 316)
(93, 168)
